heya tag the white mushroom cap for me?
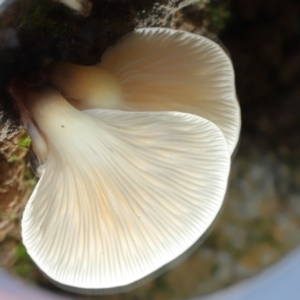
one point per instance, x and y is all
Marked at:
(160, 69)
(123, 193)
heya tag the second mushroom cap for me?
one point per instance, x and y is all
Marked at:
(158, 69)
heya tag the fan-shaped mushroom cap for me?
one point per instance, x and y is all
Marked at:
(123, 193)
(160, 69)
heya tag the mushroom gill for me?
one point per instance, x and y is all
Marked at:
(122, 193)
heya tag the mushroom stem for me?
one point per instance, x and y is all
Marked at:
(48, 118)
(85, 84)
(38, 140)
(54, 116)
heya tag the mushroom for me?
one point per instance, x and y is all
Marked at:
(157, 69)
(122, 193)
(135, 155)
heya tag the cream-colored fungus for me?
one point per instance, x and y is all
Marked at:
(136, 162)
(158, 69)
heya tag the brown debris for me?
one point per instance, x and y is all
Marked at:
(14, 192)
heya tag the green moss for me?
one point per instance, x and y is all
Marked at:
(21, 252)
(160, 283)
(22, 269)
(211, 16)
(25, 141)
(217, 14)
(13, 159)
(29, 177)
(214, 268)
(23, 266)
(40, 15)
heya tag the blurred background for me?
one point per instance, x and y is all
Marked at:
(260, 220)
